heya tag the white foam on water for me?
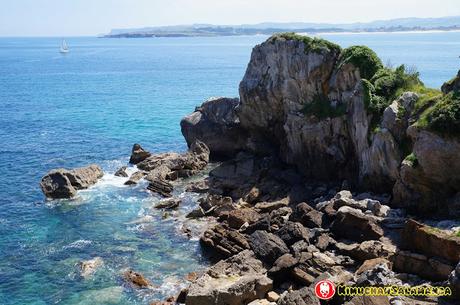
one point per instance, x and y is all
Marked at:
(171, 285)
(78, 244)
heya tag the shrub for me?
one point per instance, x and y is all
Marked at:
(412, 159)
(390, 83)
(444, 116)
(363, 58)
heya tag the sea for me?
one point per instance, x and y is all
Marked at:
(90, 106)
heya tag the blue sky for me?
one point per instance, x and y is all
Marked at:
(92, 17)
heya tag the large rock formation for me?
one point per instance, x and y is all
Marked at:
(64, 183)
(216, 124)
(309, 103)
(430, 181)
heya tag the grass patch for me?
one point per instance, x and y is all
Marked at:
(315, 44)
(321, 108)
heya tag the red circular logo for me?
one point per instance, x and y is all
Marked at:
(325, 289)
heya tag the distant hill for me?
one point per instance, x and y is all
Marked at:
(393, 25)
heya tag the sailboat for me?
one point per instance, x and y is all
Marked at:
(64, 48)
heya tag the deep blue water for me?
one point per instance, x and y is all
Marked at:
(90, 106)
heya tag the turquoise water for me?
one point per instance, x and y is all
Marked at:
(90, 106)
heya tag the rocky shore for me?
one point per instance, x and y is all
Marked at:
(330, 166)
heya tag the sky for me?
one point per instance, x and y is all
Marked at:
(93, 17)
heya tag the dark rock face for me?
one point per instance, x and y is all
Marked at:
(267, 246)
(216, 124)
(452, 85)
(63, 183)
(138, 154)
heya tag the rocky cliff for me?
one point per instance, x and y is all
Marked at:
(340, 115)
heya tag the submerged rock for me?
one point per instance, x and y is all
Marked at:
(89, 267)
(63, 183)
(136, 279)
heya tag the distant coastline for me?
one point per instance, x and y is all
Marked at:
(402, 25)
(274, 31)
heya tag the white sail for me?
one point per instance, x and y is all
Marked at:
(64, 47)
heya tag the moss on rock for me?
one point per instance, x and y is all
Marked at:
(443, 116)
(312, 44)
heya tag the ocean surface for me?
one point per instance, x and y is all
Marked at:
(91, 106)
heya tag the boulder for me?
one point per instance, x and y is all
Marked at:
(239, 217)
(138, 154)
(237, 280)
(161, 187)
(201, 186)
(267, 246)
(216, 124)
(63, 183)
(375, 272)
(304, 296)
(367, 249)
(429, 268)
(307, 215)
(283, 266)
(430, 241)
(224, 241)
(270, 206)
(355, 225)
(292, 232)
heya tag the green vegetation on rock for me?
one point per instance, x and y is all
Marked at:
(443, 116)
(321, 108)
(363, 58)
(412, 159)
(315, 44)
(385, 86)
